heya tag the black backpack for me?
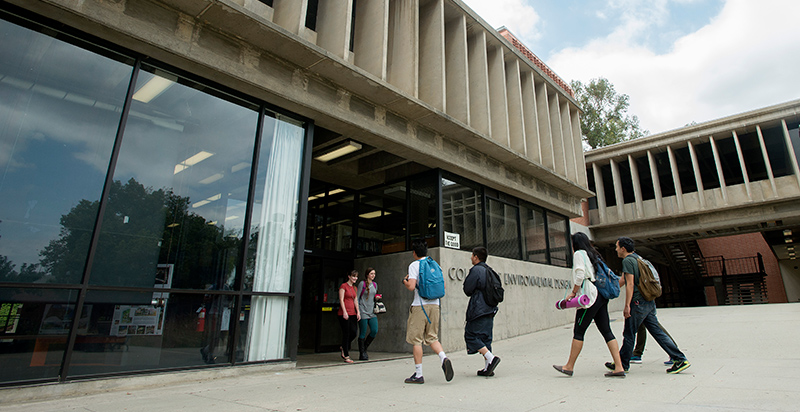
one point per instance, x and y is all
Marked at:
(493, 292)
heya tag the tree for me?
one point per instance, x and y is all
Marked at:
(605, 120)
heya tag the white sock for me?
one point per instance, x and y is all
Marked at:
(489, 357)
(442, 356)
(486, 364)
(418, 369)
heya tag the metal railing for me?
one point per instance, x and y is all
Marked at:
(720, 266)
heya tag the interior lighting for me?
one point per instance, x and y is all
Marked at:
(152, 89)
(338, 150)
(374, 214)
(211, 179)
(197, 158)
(787, 232)
(335, 191)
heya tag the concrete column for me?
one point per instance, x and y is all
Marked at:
(371, 37)
(333, 27)
(290, 14)
(698, 179)
(498, 99)
(720, 174)
(637, 187)
(656, 182)
(767, 162)
(676, 178)
(569, 147)
(432, 55)
(403, 47)
(599, 192)
(456, 73)
(790, 150)
(479, 109)
(516, 118)
(558, 139)
(745, 176)
(618, 190)
(531, 117)
(577, 139)
(545, 136)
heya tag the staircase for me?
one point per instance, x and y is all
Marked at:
(686, 286)
(740, 281)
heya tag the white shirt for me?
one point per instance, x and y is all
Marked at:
(413, 273)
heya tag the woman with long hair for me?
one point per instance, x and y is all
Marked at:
(367, 290)
(349, 314)
(583, 262)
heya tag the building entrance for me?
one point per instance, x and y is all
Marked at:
(319, 326)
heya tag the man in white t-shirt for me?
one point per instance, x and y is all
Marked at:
(422, 329)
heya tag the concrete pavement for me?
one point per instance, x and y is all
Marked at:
(744, 358)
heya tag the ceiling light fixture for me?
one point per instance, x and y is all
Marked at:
(787, 232)
(152, 89)
(339, 150)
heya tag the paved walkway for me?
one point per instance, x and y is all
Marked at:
(744, 358)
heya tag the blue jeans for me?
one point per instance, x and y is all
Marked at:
(371, 323)
(644, 313)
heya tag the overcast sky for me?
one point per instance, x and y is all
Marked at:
(678, 60)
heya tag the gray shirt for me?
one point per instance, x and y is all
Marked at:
(366, 300)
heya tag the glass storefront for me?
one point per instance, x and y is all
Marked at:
(148, 220)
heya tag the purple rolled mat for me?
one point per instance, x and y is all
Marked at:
(575, 302)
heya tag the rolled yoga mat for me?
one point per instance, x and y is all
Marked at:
(575, 302)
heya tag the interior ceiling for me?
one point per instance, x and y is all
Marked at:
(783, 242)
(363, 168)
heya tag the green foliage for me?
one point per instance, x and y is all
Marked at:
(604, 120)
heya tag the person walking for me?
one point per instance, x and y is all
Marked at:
(641, 341)
(422, 327)
(480, 315)
(583, 262)
(638, 311)
(367, 290)
(349, 314)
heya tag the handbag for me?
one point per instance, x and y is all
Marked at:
(379, 306)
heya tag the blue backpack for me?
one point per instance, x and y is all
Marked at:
(606, 281)
(430, 283)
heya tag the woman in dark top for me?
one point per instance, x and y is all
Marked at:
(349, 315)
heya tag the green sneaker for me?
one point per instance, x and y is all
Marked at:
(679, 367)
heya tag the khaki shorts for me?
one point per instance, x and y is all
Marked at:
(418, 330)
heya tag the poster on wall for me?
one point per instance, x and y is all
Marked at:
(9, 317)
(57, 319)
(137, 320)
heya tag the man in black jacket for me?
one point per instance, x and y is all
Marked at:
(480, 316)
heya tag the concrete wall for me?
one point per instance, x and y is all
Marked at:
(531, 292)
(790, 270)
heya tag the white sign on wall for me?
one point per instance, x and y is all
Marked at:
(452, 240)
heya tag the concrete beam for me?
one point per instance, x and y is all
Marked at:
(498, 100)
(479, 108)
(432, 54)
(545, 134)
(456, 73)
(676, 178)
(516, 117)
(656, 182)
(531, 118)
(743, 166)
(371, 37)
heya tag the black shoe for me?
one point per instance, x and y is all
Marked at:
(415, 379)
(447, 367)
(493, 364)
(483, 372)
(362, 350)
(679, 367)
(611, 366)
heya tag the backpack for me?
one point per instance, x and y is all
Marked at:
(493, 291)
(606, 281)
(649, 282)
(430, 283)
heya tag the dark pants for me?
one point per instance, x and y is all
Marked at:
(644, 313)
(641, 339)
(597, 312)
(349, 332)
(478, 333)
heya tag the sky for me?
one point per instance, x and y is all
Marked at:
(680, 61)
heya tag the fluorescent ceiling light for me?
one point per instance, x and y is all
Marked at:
(374, 214)
(239, 166)
(787, 232)
(211, 179)
(231, 218)
(338, 150)
(197, 158)
(200, 203)
(152, 89)
(335, 191)
(173, 225)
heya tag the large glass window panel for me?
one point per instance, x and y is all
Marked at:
(424, 213)
(34, 326)
(533, 234)
(502, 229)
(558, 232)
(463, 211)
(131, 331)
(60, 107)
(265, 328)
(177, 202)
(382, 220)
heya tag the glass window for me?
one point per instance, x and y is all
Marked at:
(34, 325)
(424, 213)
(60, 108)
(130, 331)
(534, 235)
(263, 328)
(382, 220)
(558, 232)
(180, 187)
(463, 211)
(330, 218)
(502, 229)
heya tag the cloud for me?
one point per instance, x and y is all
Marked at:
(745, 58)
(517, 16)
